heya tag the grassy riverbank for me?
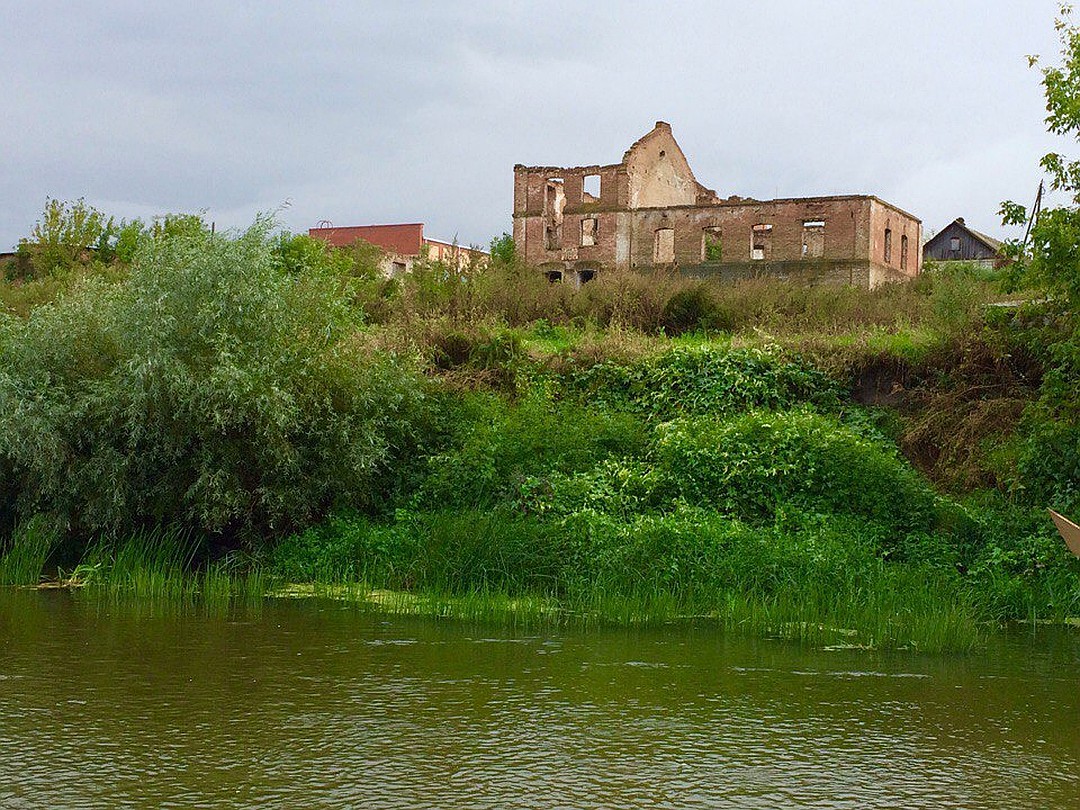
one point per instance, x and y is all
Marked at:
(232, 415)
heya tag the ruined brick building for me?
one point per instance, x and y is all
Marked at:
(649, 210)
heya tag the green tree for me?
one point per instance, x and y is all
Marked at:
(1050, 259)
(63, 238)
(1048, 468)
(503, 250)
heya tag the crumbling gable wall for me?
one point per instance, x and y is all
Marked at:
(658, 173)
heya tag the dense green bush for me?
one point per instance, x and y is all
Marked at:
(445, 551)
(704, 379)
(500, 449)
(211, 388)
(758, 464)
(618, 486)
(695, 308)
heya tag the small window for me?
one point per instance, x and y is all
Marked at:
(590, 188)
(903, 252)
(761, 242)
(813, 240)
(711, 245)
(585, 276)
(554, 197)
(954, 244)
(588, 232)
(554, 276)
(664, 246)
(888, 245)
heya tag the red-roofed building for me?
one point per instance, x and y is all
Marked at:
(403, 244)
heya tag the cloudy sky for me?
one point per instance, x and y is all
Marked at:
(399, 111)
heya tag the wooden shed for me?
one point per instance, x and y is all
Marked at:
(958, 242)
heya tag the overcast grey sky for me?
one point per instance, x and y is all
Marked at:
(360, 112)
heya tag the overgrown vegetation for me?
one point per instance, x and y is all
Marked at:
(209, 389)
(182, 411)
(774, 457)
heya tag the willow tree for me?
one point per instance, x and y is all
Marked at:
(1047, 261)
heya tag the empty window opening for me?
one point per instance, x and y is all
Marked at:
(954, 244)
(399, 269)
(552, 237)
(903, 252)
(554, 276)
(554, 197)
(711, 245)
(588, 232)
(761, 242)
(590, 188)
(585, 276)
(888, 245)
(554, 202)
(813, 239)
(664, 246)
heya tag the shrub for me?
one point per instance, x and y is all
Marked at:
(493, 351)
(61, 239)
(501, 450)
(210, 389)
(704, 379)
(759, 464)
(694, 308)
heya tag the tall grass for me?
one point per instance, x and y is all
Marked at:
(31, 543)
(166, 565)
(915, 615)
(946, 299)
(814, 582)
(153, 564)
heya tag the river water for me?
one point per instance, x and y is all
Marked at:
(299, 704)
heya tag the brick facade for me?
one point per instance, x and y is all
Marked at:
(650, 211)
(402, 245)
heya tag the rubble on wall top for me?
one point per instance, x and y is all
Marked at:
(596, 169)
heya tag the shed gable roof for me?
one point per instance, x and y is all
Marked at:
(958, 226)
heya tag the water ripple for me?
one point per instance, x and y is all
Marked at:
(302, 708)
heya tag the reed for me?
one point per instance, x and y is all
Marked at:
(818, 582)
(166, 565)
(31, 543)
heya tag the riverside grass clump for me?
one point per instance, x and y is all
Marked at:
(808, 578)
(274, 416)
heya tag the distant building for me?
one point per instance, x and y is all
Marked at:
(958, 242)
(403, 245)
(649, 210)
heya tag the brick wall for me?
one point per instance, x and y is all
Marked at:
(845, 231)
(849, 231)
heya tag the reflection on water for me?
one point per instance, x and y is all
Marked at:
(314, 704)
